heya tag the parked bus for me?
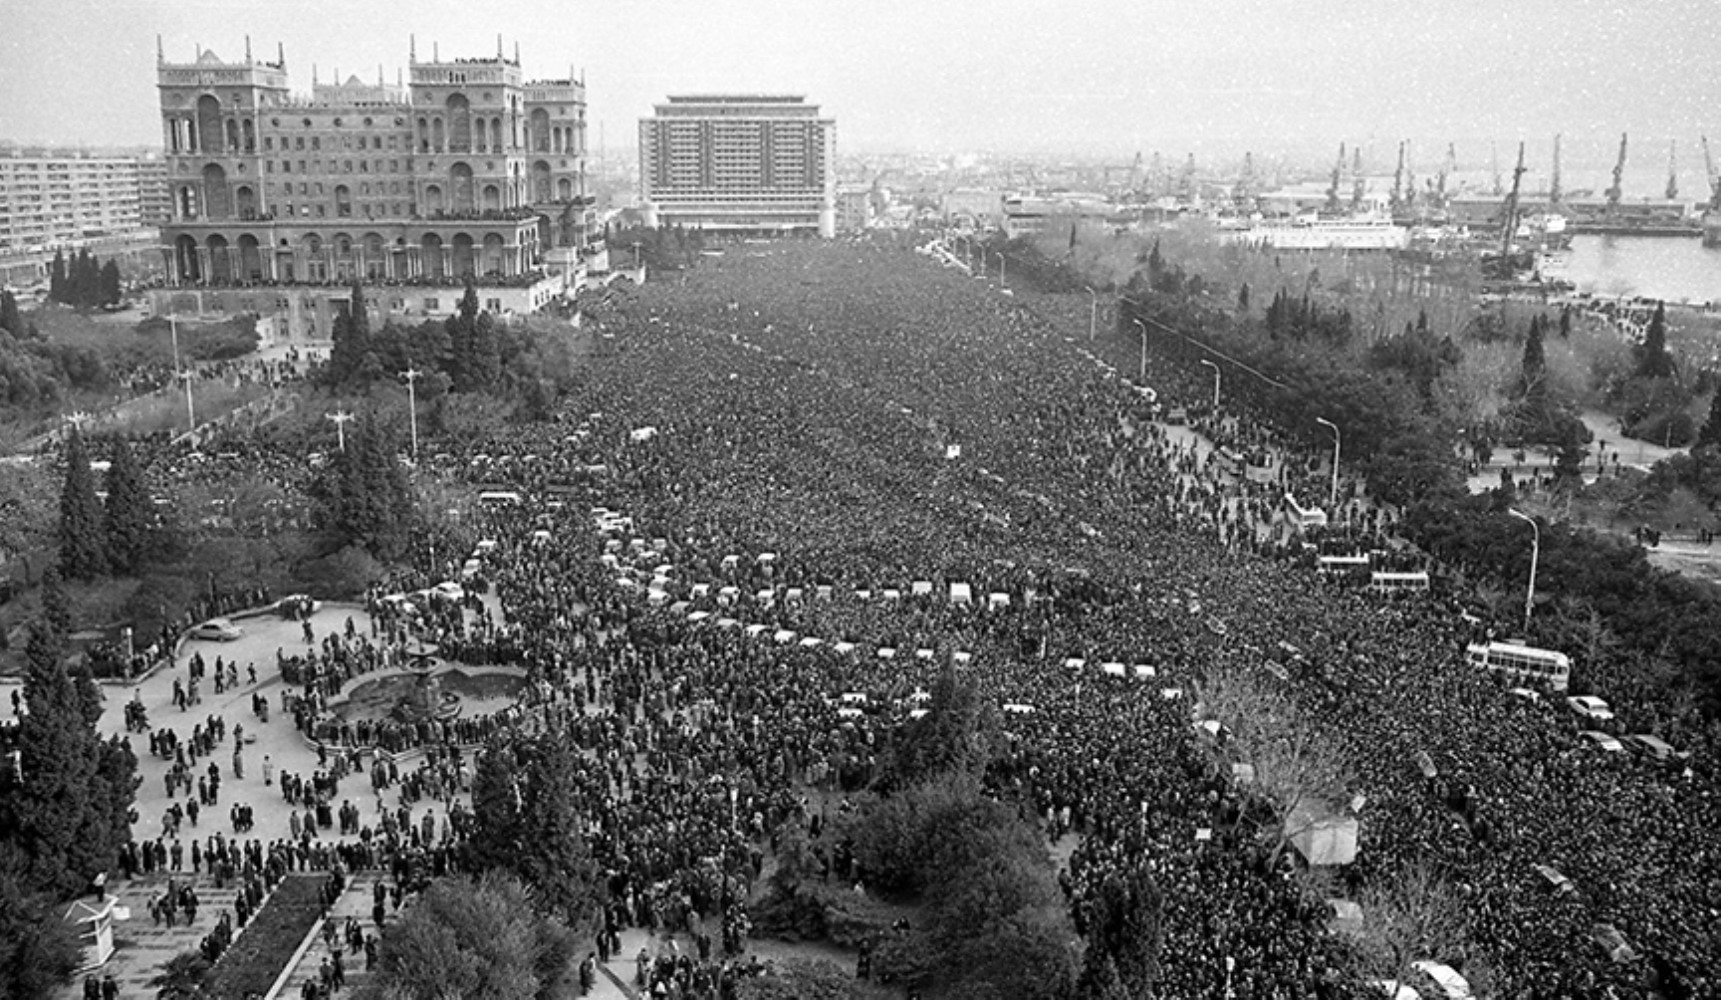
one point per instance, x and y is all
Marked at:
(1398, 583)
(1540, 667)
(1342, 565)
(1313, 517)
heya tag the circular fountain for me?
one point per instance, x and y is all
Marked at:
(428, 688)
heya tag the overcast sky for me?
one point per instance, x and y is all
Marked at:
(1112, 77)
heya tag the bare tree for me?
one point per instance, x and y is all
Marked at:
(1296, 769)
(1411, 917)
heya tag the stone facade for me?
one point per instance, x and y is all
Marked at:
(462, 169)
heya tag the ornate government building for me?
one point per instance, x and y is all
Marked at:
(279, 201)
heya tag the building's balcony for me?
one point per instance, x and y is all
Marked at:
(489, 279)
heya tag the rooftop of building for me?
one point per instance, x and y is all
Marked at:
(20, 152)
(737, 98)
(209, 59)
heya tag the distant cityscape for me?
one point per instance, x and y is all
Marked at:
(222, 207)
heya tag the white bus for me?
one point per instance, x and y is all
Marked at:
(1352, 565)
(1540, 667)
(498, 498)
(1313, 517)
(1398, 583)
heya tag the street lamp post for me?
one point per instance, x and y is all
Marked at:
(1093, 314)
(412, 376)
(340, 420)
(1142, 377)
(1333, 498)
(1215, 383)
(1535, 558)
(190, 414)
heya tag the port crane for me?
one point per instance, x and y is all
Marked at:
(1555, 195)
(1709, 176)
(1398, 182)
(1409, 177)
(1333, 189)
(1613, 192)
(1509, 224)
(1712, 214)
(1359, 186)
(1447, 169)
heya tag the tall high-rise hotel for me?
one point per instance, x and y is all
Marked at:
(740, 164)
(465, 169)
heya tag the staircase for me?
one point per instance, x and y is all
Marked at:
(356, 903)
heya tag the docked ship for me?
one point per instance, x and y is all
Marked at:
(1308, 232)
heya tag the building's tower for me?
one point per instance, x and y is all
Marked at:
(555, 149)
(469, 123)
(210, 111)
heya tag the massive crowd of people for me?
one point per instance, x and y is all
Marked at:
(869, 421)
(807, 477)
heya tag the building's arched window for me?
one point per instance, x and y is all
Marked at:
(459, 124)
(208, 124)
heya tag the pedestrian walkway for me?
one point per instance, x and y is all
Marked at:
(142, 944)
(356, 903)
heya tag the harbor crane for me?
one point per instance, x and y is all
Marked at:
(1555, 195)
(1710, 178)
(1613, 192)
(1509, 224)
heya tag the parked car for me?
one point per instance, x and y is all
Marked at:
(1603, 740)
(1588, 706)
(1654, 746)
(295, 607)
(217, 629)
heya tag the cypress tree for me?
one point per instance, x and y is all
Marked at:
(57, 277)
(352, 339)
(109, 284)
(51, 816)
(462, 328)
(363, 497)
(486, 353)
(56, 607)
(1535, 360)
(83, 550)
(1653, 361)
(129, 512)
(10, 319)
(84, 280)
(1711, 433)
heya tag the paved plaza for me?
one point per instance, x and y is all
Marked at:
(142, 945)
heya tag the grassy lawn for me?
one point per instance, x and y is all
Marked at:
(118, 347)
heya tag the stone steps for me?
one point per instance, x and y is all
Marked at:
(356, 903)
